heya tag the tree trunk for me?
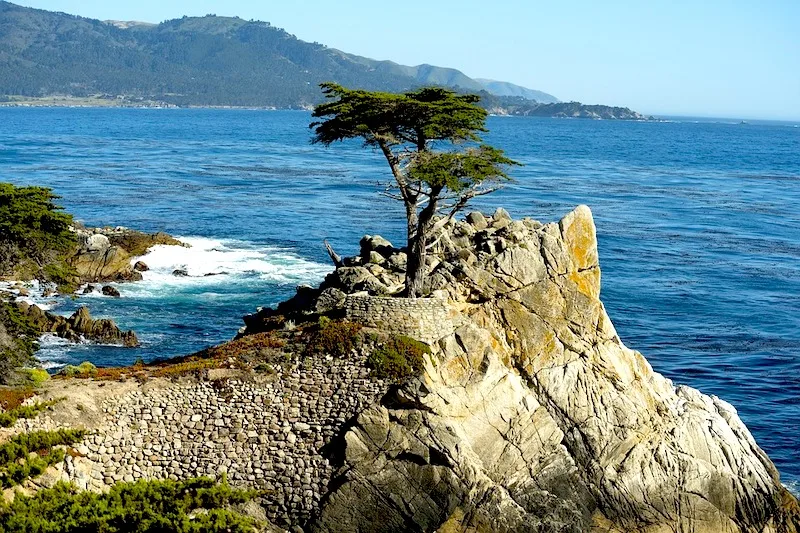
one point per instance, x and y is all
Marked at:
(416, 256)
(416, 269)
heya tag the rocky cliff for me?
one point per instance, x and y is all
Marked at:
(530, 413)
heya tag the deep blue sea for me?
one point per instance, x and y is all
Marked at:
(698, 224)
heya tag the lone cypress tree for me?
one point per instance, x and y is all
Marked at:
(430, 139)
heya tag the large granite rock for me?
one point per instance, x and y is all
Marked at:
(79, 327)
(105, 254)
(533, 415)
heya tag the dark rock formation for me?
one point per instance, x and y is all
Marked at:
(141, 266)
(78, 327)
(108, 290)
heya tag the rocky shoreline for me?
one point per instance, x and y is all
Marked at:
(105, 254)
(101, 256)
(529, 414)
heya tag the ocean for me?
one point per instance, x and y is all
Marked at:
(698, 224)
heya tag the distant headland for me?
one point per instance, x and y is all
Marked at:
(57, 59)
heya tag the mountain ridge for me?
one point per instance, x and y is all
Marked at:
(53, 58)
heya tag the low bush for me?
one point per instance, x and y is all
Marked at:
(334, 337)
(83, 370)
(16, 462)
(248, 346)
(399, 358)
(10, 416)
(191, 506)
(36, 377)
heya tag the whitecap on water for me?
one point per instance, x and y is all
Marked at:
(212, 261)
(34, 289)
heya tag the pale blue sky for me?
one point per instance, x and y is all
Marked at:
(731, 58)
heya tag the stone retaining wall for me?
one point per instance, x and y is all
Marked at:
(265, 435)
(425, 319)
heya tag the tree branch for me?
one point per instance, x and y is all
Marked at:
(336, 258)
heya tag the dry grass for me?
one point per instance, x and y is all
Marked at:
(11, 398)
(248, 346)
(184, 368)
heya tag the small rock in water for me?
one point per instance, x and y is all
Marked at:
(180, 272)
(108, 290)
(141, 266)
(89, 289)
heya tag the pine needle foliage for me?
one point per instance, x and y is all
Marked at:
(198, 505)
(431, 140)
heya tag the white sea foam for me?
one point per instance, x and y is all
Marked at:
(212, 261)
(34, 289)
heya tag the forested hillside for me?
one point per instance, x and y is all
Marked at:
(190, 61)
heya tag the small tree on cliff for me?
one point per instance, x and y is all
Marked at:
(430, 139)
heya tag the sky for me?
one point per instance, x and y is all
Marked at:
(711, 58)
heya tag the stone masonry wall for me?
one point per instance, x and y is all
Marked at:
(264, 435)
(425, 319)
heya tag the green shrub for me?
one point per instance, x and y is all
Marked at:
(399, 358)
(16, 462)
(34, 232)
(163, 506)
(334, 337)
(83, 370)
(62, 274)
(35, 376)
(21, 335)
(9, 417)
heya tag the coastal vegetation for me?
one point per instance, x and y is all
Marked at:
(430, 139)
(35, 236)
(18, 336)
(27, 455)
(195, 505)
(12, 414)
(399, 358)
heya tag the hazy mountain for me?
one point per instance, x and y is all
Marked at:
(503, 88)
(212, 60)
(194, 60)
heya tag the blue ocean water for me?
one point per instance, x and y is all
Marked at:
(698, 224)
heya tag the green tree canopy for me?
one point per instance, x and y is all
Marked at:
(32, 226)
(430, 139)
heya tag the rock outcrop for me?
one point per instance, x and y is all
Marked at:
(105, 254)
(532, 415)
(79, 327)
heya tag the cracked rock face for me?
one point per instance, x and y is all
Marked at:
(533, 416)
